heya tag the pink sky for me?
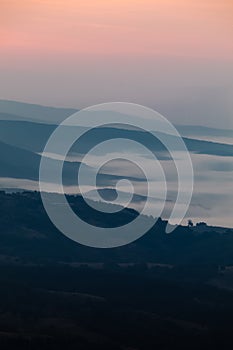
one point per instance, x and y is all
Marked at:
(122, 27)
(113, 49)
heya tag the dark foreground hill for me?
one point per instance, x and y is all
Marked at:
(160, 292)
(27, 234)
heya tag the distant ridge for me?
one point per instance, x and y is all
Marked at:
(22, 111)
(33, 112)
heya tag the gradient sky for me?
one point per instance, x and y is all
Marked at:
(173, 55)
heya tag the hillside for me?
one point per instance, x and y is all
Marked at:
(27, 234)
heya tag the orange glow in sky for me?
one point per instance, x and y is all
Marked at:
(119, 27)
(146, 51)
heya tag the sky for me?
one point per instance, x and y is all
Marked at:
(175, 56)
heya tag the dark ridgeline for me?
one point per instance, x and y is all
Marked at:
(160, 292)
